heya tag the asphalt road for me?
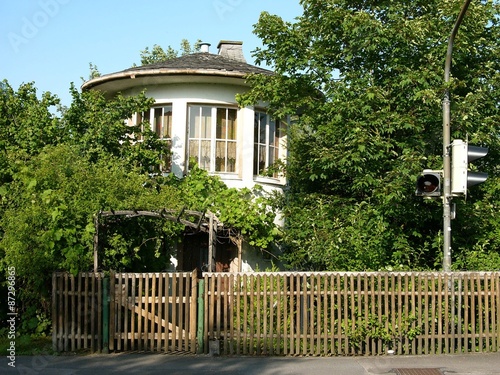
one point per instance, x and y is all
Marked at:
(136, 363)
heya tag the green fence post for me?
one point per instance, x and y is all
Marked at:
(201, 316)
(105, 315)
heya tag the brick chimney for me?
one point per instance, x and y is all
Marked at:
(232, 50)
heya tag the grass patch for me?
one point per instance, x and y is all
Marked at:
(28, 345)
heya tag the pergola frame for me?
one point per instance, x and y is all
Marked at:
(207, 222)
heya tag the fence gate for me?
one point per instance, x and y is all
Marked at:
(153, 312)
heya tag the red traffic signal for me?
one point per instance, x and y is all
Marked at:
(429, 184)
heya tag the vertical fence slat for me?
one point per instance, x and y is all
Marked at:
(93, 312)
(447, 287)
(166, 308)
(183, 311)
(497, 324)
(453, 302)
(99, 312)
(126, 310)
(73, 312)
(80, 301)
(54, 311)
(66, 312)
(145, 298)
(484, 330)
(112, 311)
(159, 299)
(460, 295)
(439, 292)
(230, 309)
(152, 314)
(480, 313)
(493, 315)
(120, 298)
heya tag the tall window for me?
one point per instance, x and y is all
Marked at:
(266, 144)
(212, 138)
(159, 121)
(162, 123)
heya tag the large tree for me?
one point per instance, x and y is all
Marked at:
(363, 81)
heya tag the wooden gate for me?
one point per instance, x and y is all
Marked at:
(153, 312)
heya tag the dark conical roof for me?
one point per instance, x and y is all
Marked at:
(202, 61)
(196, 64)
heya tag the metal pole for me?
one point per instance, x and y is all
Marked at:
(447, 197)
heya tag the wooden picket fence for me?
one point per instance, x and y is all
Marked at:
(353, 313)
(291, 314)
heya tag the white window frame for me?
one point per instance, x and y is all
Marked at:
(149, 116)
(210, 137)
(258, 171)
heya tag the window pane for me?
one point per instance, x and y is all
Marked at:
(270, 159)
(194, 147)
(231, 123)
(262, 158)
(221, 124)
(272, 131)
(194, 115)
(220, 156)
(231, 157)
(263, 122)
(256, 159)
(205, 155)
(167, 122)
(158, 121)
(206, 122)
(256, 127)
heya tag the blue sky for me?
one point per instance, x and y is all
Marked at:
(52, 42)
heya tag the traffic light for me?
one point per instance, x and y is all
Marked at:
(429, 184)
(461, 178)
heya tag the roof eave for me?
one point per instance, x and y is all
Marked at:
(161, 72)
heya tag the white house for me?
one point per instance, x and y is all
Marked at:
(195, 111)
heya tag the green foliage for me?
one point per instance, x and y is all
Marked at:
(93, 72)
(378, 328)
(245, 213)
(157, 54)
(363, 82)
(26, 122)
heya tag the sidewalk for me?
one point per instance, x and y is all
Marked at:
(477, 364)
